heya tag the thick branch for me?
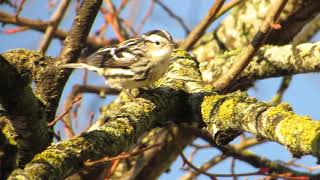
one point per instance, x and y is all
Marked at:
(240, 26)
(125, 122)
(258, 40)
(238, 112)
(236, 31)
(270, 61)
(24, 108)
(223, 114)
(151, 164)
(51, 83)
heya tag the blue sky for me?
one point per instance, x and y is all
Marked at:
(303, 93)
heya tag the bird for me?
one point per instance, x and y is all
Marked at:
(134, 63)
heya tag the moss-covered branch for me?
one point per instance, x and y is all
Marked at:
(23, 109)
(124, 123)
(28, 110)
(213, 44)
(238, 112)
(270, 61)
(152, 163)
(223, 114)
(240, 26)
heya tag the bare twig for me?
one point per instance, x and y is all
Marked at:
(100, 90)
(213, 175)
(227, 7)
(254, 46)
(173, 15)
(112, 169)
(122, 5)
(146, 16)
(41, 26)
(55, 20)
(66, 111)
(310, 169)
(121, 156)
(129, 27)
(112, 17)
(282, 89)
(200, 171)
(90, 122)
(14, 30)
(199, 30)
(232, 168)
(20, 7)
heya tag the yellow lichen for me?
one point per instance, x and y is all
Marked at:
(226, 109)
(207, 106)
(180, 53)
(300, 132)
(281, 109)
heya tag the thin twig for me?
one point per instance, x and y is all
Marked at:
(146, 16)
(90, 122)
(282, 89)
(55, 20)
(213, 175)
(100, 90)
(14, 30)
(41, 26)
(227, 7)
(66, 111)
(200, 171)
(20, 7)
(112, 169)
(232, 168)
(173, 15)
(253, 47)
(129, 27)
(113, 18)
(122, 5)
(121, 156)
(199, 30)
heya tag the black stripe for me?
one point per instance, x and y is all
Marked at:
(161, 33)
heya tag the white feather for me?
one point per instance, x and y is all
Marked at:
(82, 65)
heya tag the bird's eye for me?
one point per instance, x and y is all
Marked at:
(157, 43)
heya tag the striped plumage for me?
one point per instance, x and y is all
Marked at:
(134, 63)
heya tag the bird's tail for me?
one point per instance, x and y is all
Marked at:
(81, 65)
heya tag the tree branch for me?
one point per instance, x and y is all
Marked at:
(199, 30)
(55, 21)
(41, 26)
(125, 121)
(23, 108)
(123, 125)
(270, 61)
(258, 40)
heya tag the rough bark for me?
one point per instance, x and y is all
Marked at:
(270, 61)
(22, 109)
(176, 95)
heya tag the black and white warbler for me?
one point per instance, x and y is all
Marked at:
(134, 63)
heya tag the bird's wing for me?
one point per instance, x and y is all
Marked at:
(122, 55)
